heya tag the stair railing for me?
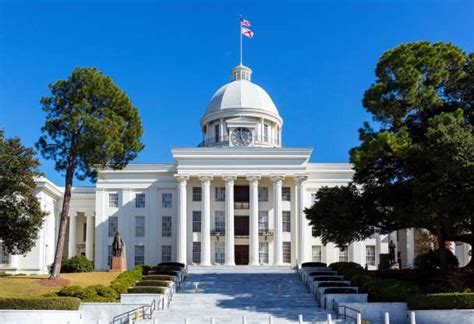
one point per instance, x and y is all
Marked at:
(336, 307)
(136, 314)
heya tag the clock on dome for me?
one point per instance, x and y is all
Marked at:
(241, 136)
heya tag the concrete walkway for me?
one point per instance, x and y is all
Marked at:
(229, 293)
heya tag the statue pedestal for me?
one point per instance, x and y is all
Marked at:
(119, 264)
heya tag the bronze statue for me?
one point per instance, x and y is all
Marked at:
(117, 245)
(391, 252)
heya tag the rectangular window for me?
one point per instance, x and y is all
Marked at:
(220, 193)
(217, 133)
(220, 252)
(113, 199)
(287, 252)
(166, 226)
(316, 253)
(109, 255)
(84, 232)
(140, 226)
(219, 219)
(370, 255)
(197, 194)
(343, 254)
(286, 218)
(263, 252)
(139, 254)
(196, 252)
(113, 225)
(263, 221)
(196, 221)
(262, 193)
(166, 253)
(140, 200)
(4, 257)
(166, 200)
(265, 133)
(286, 194)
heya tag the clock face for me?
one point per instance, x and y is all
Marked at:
(241, 136)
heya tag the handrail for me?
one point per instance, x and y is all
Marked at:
(336, 306)
(133, 315)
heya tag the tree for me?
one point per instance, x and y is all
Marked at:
(415, 166)
(21, 217)
(90, 124)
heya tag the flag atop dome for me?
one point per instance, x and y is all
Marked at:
(245, 31)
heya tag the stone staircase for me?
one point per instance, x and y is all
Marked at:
(227, 294)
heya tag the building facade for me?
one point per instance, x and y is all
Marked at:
(235, 199)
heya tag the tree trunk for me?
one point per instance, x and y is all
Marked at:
(58, 256)
(442, 249)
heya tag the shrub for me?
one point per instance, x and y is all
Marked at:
(347, 269)
(326, 278)
(77, 292)
(334, 284)
(157, 283)
(126, 280)
(56, 303)
(146, 269)
(77, 264)
(442, 301)
(148, 290)
(105, 292)
(177, 264)
(430, 260)
(313, 264)
(165, 272)
(159, 277)
(342, 290)
(319, 273)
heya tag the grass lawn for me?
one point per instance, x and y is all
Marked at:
(30, 286)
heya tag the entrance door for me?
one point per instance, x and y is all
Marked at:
(241, 254)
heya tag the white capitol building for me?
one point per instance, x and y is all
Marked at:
(237, 198)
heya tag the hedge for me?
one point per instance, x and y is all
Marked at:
(148, 290)
(313, 264)
(159, 277)
(342, 290)
(77, 263)
(126, 280)
(326, 278)
(156, 283)
(55, 303)
(96, 293)
(334, 284)
(177, 264)
(441, 301)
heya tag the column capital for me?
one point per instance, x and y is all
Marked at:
(89, 214)
(253, 178)
(181, 177)
(205, 179)
(277, 178)
(229, 178)
(300, 179)
(72, 213)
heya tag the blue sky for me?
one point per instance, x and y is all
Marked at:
(315, 59)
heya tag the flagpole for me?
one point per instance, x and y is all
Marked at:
(240, 32)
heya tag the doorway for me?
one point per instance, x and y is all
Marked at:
(241, 254)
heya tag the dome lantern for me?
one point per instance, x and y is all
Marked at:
(241, 72)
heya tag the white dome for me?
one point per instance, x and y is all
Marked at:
(241, 93)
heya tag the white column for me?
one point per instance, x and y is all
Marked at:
(206, 220)
(254, 259)
(302, 222)
(72, 246)
(90, 226)
(229, 220)
(410, 246)
(277, 209)
(181, 221)
(221, 129)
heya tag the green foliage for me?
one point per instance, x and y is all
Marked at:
(90, 124)
(126, 280)
(159, 277)
(148, 290)
(21, 217)
(150, 283)
(58, 303)
(347, 269)
(430, 260)
(441, 301)
(77, 264)
(96, 293)
(340, 290)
